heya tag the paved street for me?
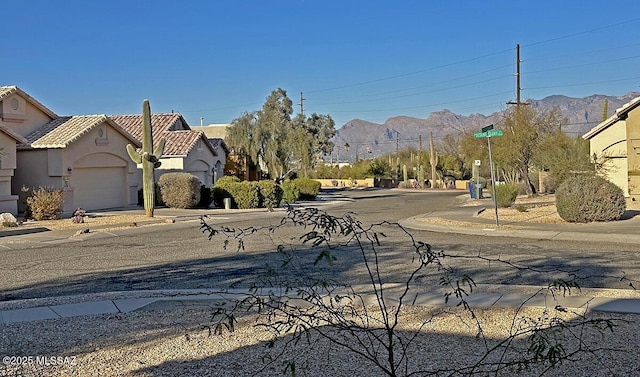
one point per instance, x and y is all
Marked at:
(179, 256)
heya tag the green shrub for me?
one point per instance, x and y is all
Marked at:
(223, 189)
(308, 188)
(45, 203)
(270, 194)
(587, 198)
(179, 190)
(506, 194)
(290, 192)
(246, 195)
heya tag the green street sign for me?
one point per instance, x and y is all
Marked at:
(490, 133)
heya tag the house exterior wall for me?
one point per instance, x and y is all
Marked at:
(633, 152)
(200, 162)
(22, 122)
(611, 144)
(8, 202)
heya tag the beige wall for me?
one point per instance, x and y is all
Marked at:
(611, 144)
(199, 162)
(34, 118)
(8, 202)
(633, 152)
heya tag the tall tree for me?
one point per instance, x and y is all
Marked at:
(277, 143)
(525, 129)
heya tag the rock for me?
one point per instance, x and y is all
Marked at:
(170, 221)
(8, 218)
(82, 231)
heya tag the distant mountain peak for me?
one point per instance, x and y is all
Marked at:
(582, 114)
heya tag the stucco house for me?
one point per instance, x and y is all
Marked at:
(617, 139)
(186, 150)
(216, 134)
(80, 154)
(85, 155)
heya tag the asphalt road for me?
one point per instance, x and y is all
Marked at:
(180, 256)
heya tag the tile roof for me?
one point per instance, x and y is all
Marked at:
(180, 143)
(19, 138)
(218, 142)
(181, 139)
(159, 123)
(6, 91)
(62, 131)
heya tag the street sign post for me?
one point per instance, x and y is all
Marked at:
(488, 132)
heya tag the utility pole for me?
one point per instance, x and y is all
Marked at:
(518, 87)
(301, 104)
(397, 139)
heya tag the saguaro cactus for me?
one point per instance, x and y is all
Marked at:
(148, 159)
(433, 160)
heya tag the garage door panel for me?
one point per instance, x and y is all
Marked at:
(99, 188)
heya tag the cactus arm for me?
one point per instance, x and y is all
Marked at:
(133, 154)
(159, 148)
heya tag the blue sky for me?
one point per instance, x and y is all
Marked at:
(352, 59)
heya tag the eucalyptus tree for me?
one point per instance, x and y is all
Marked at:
(276, 142)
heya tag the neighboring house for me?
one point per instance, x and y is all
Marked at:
(83, 154)
(216, 134)
(617, 139)
(19, 115)
(186, 150)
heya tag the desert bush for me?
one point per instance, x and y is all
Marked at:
(223, 189)
(179, 190)
(270, 194)
(586, 198)
(246, 195)
(308, 188)
(45, 203)
(506, 194)
(290, 192)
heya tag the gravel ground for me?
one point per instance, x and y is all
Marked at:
(177, 343)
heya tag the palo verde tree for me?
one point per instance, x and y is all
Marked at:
(525, 130)
(275, 141)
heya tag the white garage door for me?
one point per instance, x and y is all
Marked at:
(99, 188)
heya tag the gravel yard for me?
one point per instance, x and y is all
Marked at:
(172, 343)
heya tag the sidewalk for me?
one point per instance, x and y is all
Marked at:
(624, 231)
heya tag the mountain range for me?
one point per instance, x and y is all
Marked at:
(367, 139)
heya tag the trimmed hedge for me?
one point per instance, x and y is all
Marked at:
(180, 190)
(245, 194)
(506, 194)
(270, 194)
(223, 189)
(290, 192)
(586, 198)
(309, 188)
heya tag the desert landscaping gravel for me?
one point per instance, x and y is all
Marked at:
(178, 343)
